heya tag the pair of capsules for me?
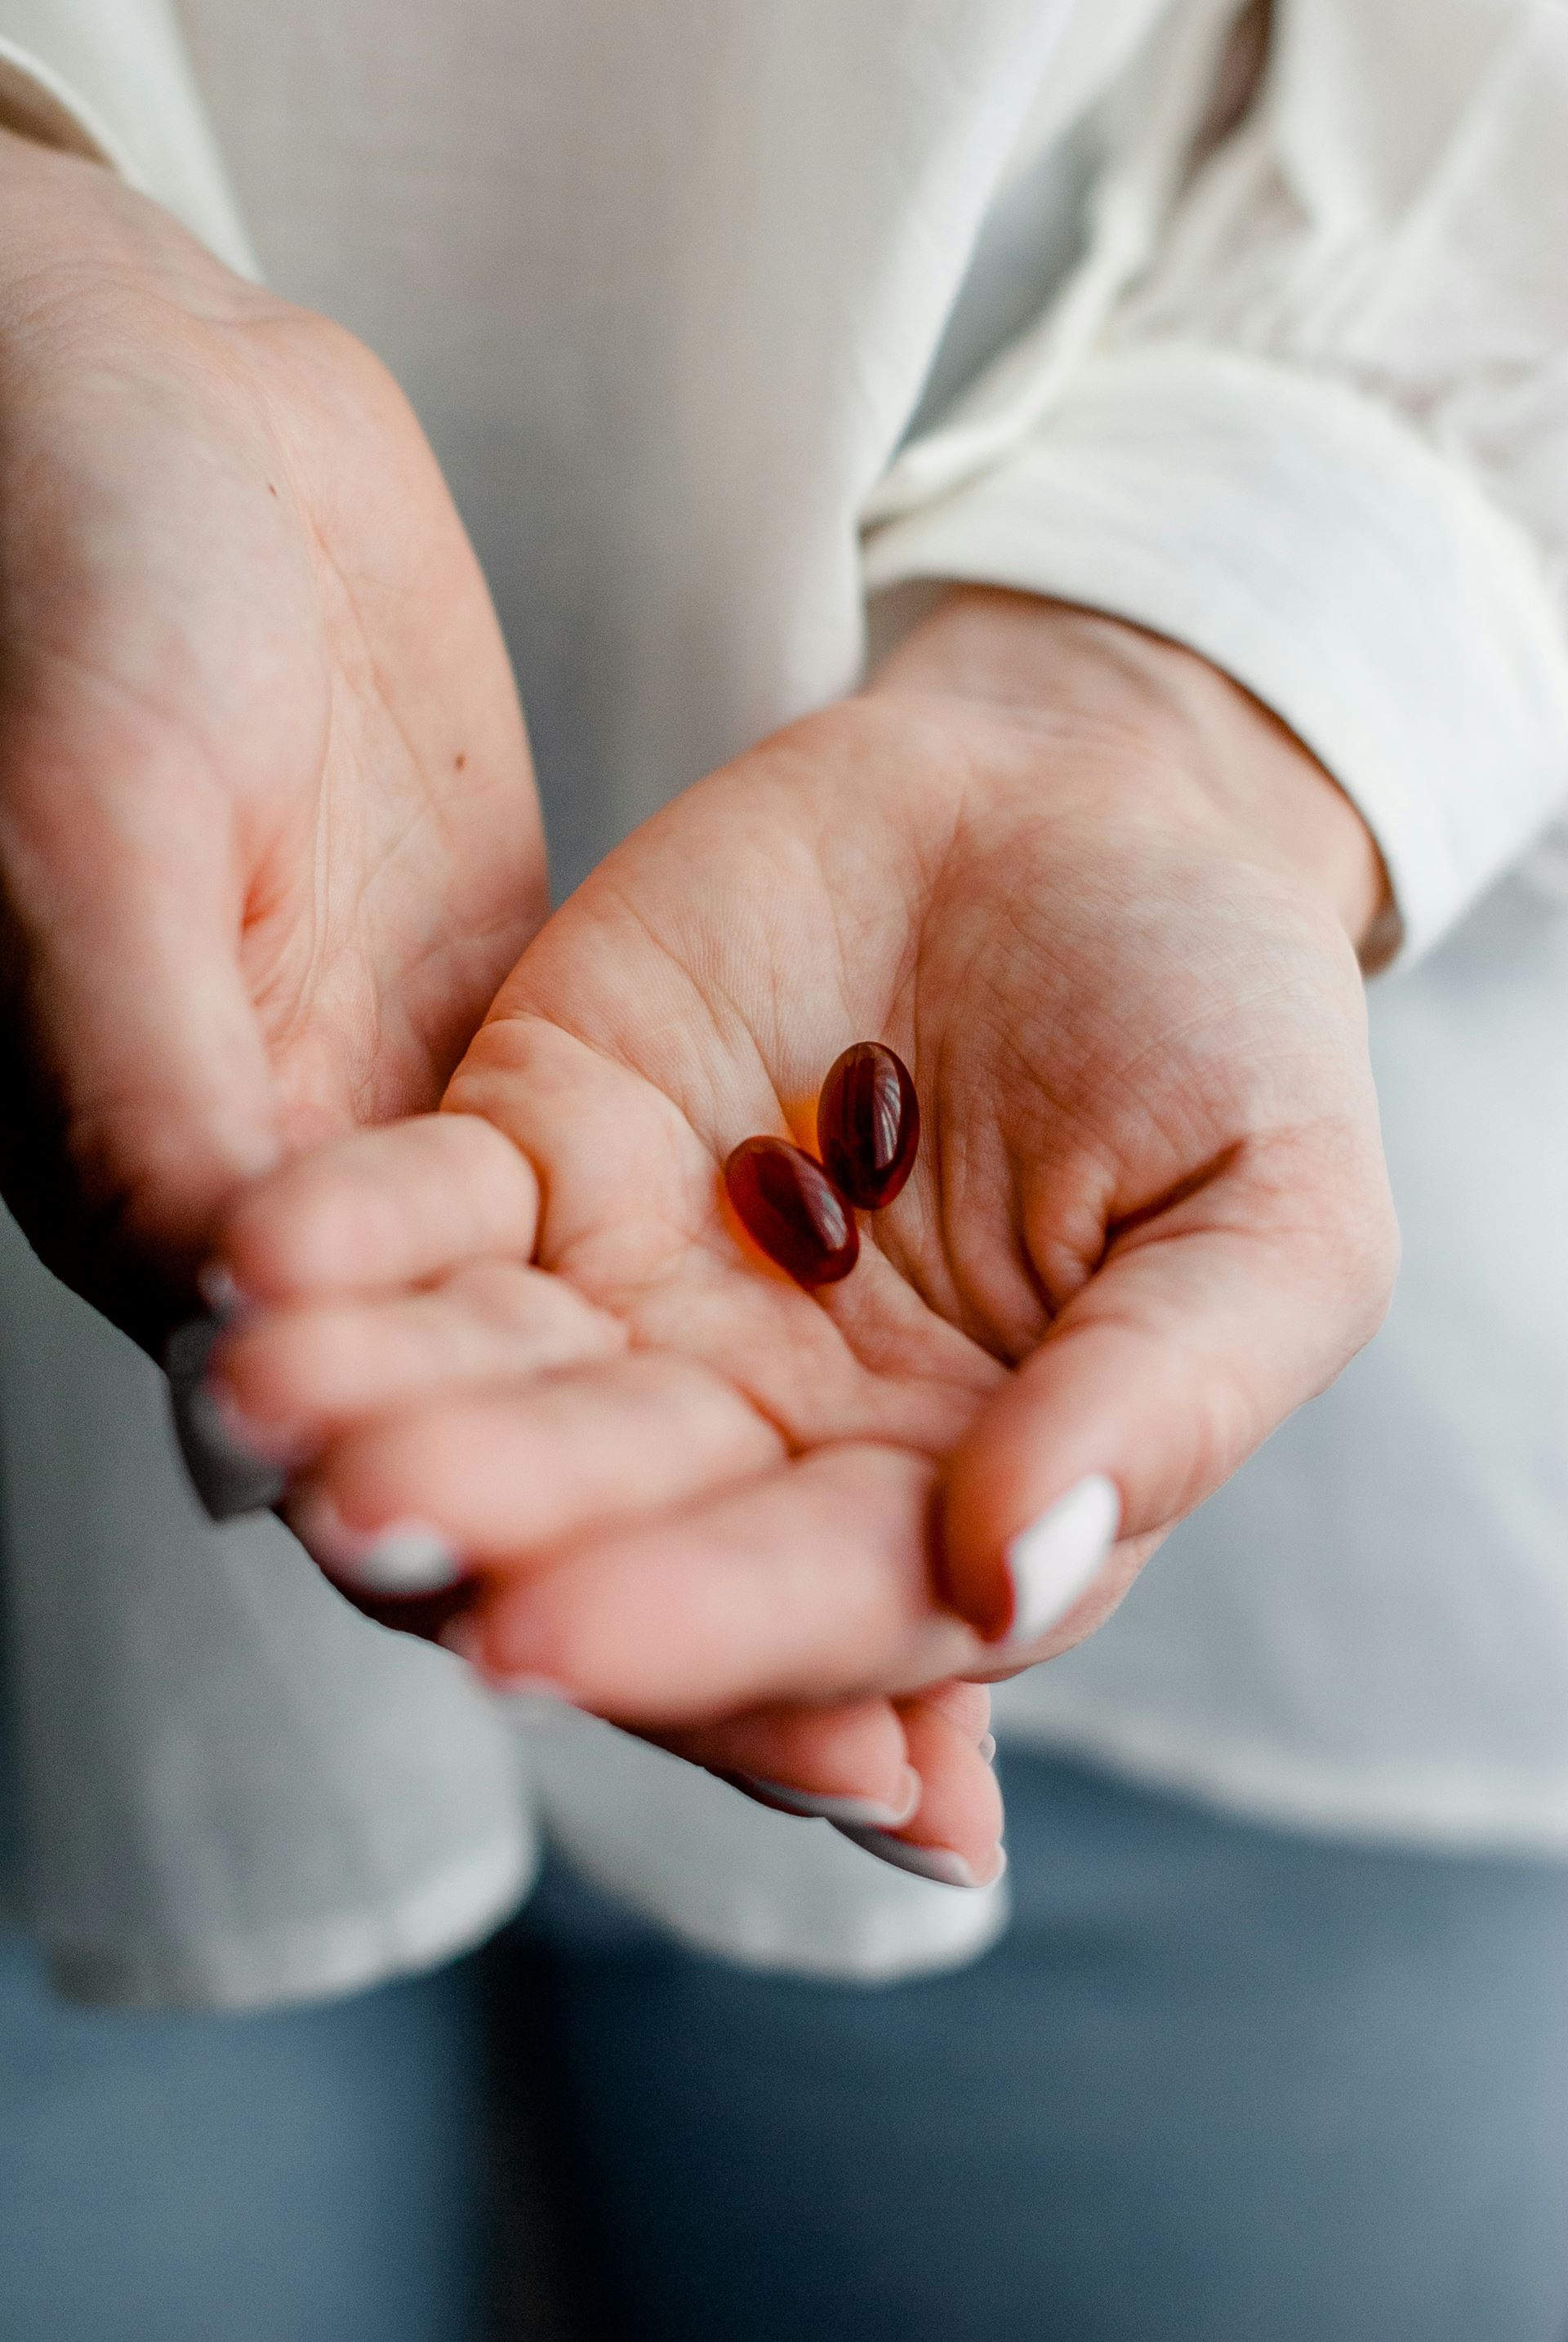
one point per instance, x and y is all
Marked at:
(802, 1212)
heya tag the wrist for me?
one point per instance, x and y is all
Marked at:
(78, 241)
(1182, 726)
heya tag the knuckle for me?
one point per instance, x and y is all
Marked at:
(1367, 1247)
(1225, 1424)
(315, 1362)
(281, 1235)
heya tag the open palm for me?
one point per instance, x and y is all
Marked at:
(1148, 1218)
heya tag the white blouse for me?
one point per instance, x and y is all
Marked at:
(1277, 370)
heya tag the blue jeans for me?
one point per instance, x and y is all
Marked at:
(313, 2176)
(1218, 2085)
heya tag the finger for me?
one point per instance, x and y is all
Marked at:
(911, 1783)
(131, 1031)
(286, 1380)
(812, 1581)
(845, 1763)
(966, 1706)
(955, 1833)
(960, 1805)
(1193, 1342)
(494, 1478)
(381, 1208)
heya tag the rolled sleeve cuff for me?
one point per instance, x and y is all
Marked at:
(116, 87)
(1314, 546)
(36, 104)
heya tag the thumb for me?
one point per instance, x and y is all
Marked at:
(1193, 1341)
(141, 1089)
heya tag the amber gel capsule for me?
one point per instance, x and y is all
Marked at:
(868, 1124)
(792, 1207)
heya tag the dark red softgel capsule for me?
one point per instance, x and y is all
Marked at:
(868, 1124)
(792, 1207)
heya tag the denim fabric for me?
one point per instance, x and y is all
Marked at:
(1217, 2085)
(310, 2175)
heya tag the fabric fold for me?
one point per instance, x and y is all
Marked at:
(1314, 547)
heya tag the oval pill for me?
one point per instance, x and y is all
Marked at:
(868, 1124)
(793, 1209)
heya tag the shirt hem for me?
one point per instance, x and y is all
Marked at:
(322, 1960)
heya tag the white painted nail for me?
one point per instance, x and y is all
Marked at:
(1053, 1561)
(224, 1297)
(863, 1813)
(405, 1556)
(229, 1470)
(938, 1862)
(261, 1443)
(461, 1636)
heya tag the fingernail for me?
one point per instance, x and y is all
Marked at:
(861, 1813)
(461, 1636)
(938, 1862)
(224, 1297)
(405, 1556)
(464, 1637)
(987, 1744)
(1050, 1563)
(229, 1475)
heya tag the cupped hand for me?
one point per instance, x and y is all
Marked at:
(1103, 907)
(268, 837)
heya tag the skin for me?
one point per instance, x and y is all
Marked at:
(1107, 911)
(268, 832)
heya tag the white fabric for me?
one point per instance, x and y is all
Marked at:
(120, 68)
(1251, 509)
(666, 285)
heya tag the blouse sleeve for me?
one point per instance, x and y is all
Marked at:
(111, 79)
(1304, 407)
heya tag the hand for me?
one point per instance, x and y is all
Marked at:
(268, 837)
(1104, 907)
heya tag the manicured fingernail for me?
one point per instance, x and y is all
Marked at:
(229, 1473)
(402, 1558)
(464, 1637)
(861, 1813)
(988, 1746)
(224, 1298)
(1052, 1562)
(935, 1862)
